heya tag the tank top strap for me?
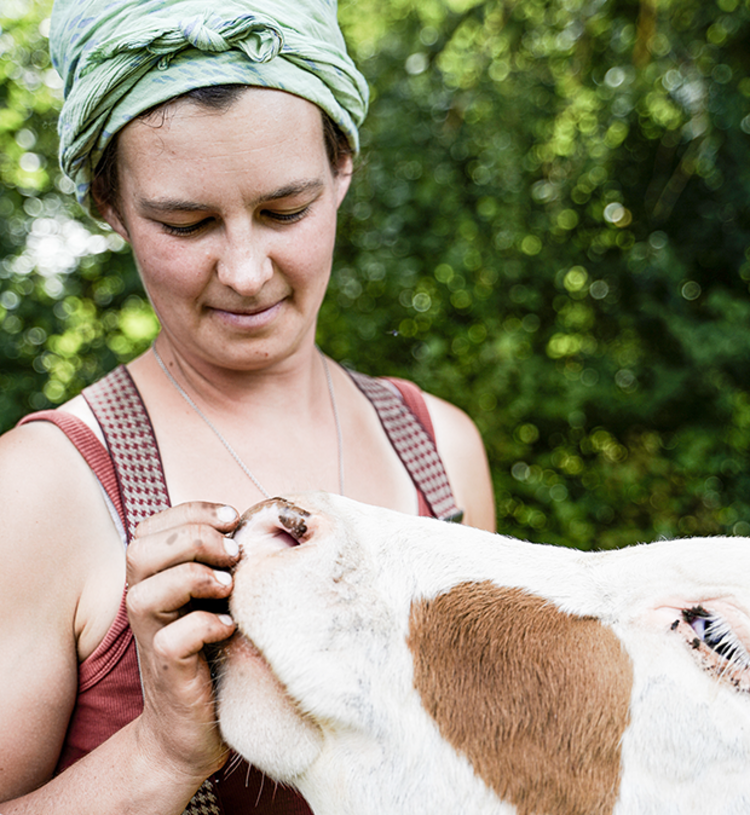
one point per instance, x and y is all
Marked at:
(119, 409)
(412, 441)
(88, 445)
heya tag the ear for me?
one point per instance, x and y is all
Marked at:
(112, 217)
(109, 213)
(343, 178)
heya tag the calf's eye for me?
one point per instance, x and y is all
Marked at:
(716, 645)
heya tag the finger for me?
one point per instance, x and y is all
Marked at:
(177, 664)
(179, 699)
(164, 549)
(162, 598)
(221, 516)
(177, 644)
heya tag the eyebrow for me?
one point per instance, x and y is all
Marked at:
(161, 205)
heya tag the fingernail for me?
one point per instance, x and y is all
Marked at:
(231, 547)
(226, 619)
(226, 514)
(223, 577)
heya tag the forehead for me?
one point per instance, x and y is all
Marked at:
(260, 134)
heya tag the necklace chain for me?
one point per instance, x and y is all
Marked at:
(248, 472)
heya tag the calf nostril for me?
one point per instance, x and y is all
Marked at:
(286, 538)
(276, 524)
(294, 520)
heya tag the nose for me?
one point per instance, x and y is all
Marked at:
(275, 524)
(245, 263)
(281, 514)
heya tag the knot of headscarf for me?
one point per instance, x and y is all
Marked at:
(199, 34)
(123, 57)
(259, 39)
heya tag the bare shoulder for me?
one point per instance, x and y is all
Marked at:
(462, 450)
(47, 492)
(54, 521)
(41, 475)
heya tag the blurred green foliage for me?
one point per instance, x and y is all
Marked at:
(549, 227)
(71, 305)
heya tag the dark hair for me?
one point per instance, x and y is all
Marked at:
(219, 98)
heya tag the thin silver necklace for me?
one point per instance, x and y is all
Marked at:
(248, 472)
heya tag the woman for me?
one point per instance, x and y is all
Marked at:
(228, 196)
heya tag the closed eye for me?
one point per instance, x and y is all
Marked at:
(187, 230)
(278, 217)
(286, 217)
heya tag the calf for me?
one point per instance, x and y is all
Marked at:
(394, 665)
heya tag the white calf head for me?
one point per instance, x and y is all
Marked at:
(392, 664)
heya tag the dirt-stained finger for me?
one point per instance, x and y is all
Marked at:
(150, 554)
(167, 595)
(187, 636)
(221, 516)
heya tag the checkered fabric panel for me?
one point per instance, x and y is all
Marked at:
(117, 405)
(204, 802)
(413, 444)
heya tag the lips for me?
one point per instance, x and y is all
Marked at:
(240, 311)
(254, 317)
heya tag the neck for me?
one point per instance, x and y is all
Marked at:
(309, 409)
(295, 384)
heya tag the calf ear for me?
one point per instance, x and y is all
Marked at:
(515, 684)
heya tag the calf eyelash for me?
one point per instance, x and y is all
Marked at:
(718, 649)
(717, 634)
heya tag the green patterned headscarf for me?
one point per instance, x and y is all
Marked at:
(119, 58)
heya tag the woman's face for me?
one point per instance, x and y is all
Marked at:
(232, 217)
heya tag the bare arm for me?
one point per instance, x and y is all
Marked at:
(38, 665)
(465, 458)
(53, 523)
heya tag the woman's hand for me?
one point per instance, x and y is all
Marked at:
(177, 556)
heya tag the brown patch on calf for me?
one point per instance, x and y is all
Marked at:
(536, 699)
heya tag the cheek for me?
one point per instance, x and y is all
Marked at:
(313, 253)
(168, 268)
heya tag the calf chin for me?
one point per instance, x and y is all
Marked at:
(258, 719)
